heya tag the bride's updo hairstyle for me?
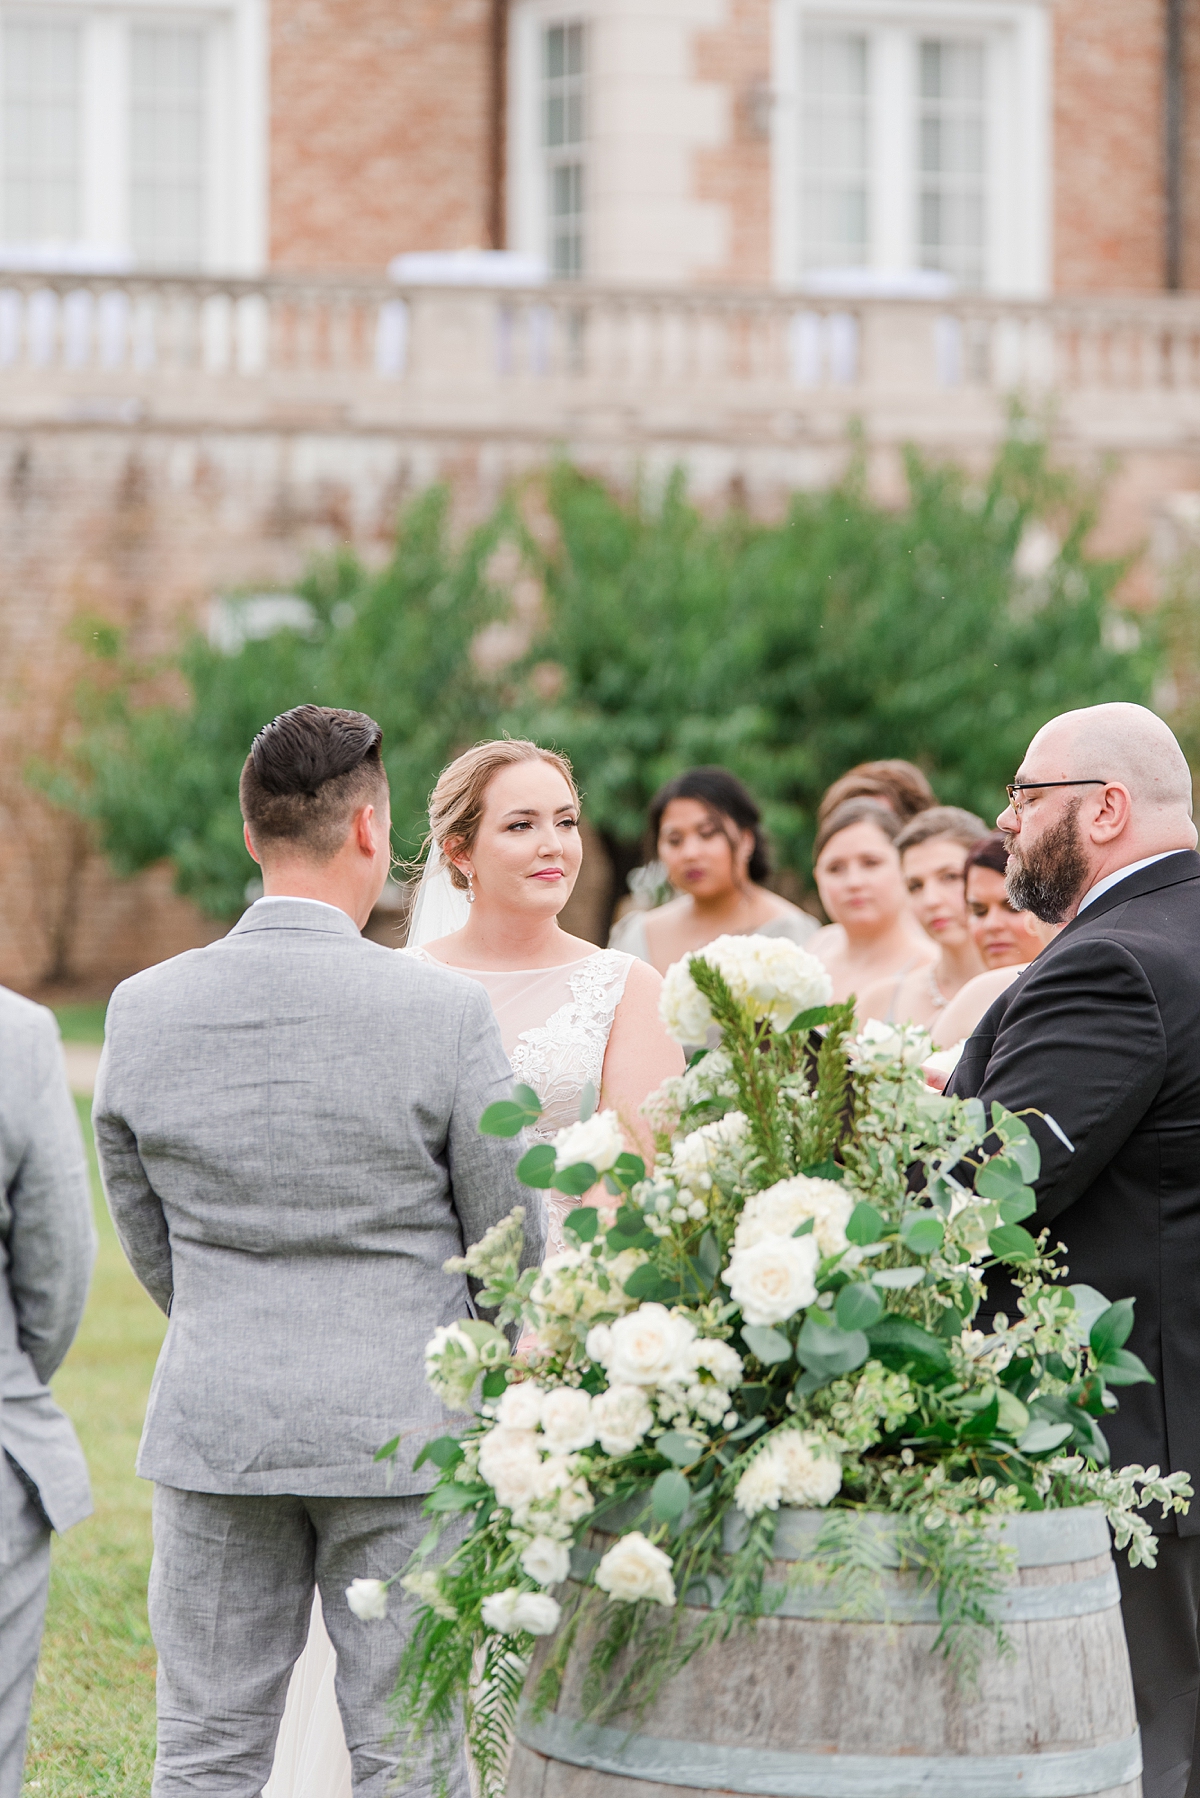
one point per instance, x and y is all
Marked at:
(456, 803)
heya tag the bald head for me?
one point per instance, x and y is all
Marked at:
(1125, 743)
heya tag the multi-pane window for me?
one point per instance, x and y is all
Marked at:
(835, 194)
(41, 97)
(564, 49)
(167, 146)
(952, 153)
(911, 148)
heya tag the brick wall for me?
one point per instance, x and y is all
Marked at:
(381, 136)
(1108, 145)
(737, 174)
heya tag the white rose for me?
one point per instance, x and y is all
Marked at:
(622, 1417)
(559, 1485)
(810, 1473)
(650, 1347)
(546, 1561)
(774, 1279)
(683, 1007)
(520, 1408)
(634, 1568)
(598, 1141)
(510, 1463)
(514, 1613)
(567, 1420)
(367, 1598)
(781, 1208)
(761, 1486)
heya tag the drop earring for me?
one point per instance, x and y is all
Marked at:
(470, 887)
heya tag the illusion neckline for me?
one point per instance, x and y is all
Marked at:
(555, 967)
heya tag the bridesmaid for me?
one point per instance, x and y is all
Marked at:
(707, 831)
(874, 935)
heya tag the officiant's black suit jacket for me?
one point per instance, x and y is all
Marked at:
(1103, 1032)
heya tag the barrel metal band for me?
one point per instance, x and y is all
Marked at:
(902, 1604)
(770, 1773)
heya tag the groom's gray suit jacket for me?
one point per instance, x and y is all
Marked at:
(47, 1243)
(287, 1125)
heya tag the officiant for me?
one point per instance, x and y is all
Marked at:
(1102, 1032)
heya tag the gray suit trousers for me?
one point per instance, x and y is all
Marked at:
(24, 1580)
(231, 1589)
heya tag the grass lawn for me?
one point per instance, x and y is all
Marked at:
(82, 1023)
(92, 1733)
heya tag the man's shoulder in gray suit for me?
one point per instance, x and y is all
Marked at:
(300, 932)
(23, 1021)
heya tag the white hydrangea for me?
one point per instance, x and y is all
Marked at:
(775, 978)
(427, 1587)
(704, 1396)
(510, 1463)
(452, 1365)
(879, 1045)
(780, 1209)
(567, 1423)
(598, 1141)
(711, 1078)
(546, 1561)
(793, 1467)
(515, 1613)
(634, 1568)
(774, 1278)
(698, 1155)
(574, 1287)
(650, 1347)
(622, 1416)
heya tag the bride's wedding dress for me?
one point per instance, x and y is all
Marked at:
(555, 1024)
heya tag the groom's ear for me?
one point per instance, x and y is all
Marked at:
(249, 842)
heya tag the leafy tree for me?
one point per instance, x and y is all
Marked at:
(160, 779)
(787, 651)
(846, 632)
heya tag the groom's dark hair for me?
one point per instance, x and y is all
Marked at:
(307, 774)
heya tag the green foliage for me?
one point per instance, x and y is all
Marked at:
(790, 652)
(787, 651)
(158, 780)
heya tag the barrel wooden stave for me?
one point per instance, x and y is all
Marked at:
(821, 1686)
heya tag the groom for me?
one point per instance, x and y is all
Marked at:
(287, 1128)
(1103, 1033)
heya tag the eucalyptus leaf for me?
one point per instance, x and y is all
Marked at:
(1043, 1435)
(587, 1102)
(670, 1496)
(536, 1166)
(865, 1225)
(922, 1233)
(771, 1347)
(826, 1349)
(897, 1278)
(1009, 1242)
(680, 1449)
(858, 1307)
(1089, 1303)
(582, 1223)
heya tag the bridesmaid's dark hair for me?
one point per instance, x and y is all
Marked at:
(729, 801)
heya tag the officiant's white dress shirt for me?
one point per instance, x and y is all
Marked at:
(1110, 880)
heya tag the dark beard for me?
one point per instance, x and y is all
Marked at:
(1048, 880)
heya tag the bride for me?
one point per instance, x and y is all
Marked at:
(504, 855)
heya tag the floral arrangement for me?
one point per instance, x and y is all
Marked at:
(779, 1313)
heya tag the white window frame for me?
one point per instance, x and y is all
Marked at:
(1017, 32)
(235, 236)
(528, 187)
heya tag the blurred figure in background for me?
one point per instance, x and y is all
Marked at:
(1007, 940)
(874, 935)
(900, 786)
(706, 830)
(933, 848)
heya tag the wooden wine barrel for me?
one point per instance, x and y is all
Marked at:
(802, 1704)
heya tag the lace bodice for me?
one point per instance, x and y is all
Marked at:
(555, 1025)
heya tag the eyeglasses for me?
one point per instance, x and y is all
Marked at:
(1036, 786)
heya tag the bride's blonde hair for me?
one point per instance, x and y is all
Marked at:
(456, 803)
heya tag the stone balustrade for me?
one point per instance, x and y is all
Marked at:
(587, 362)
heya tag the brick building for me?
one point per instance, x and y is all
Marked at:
(759, 220)
(1021, 146)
